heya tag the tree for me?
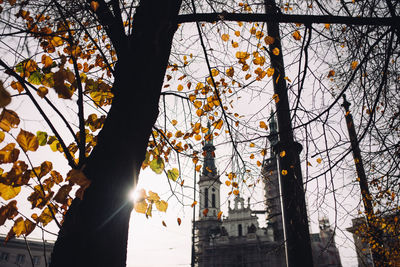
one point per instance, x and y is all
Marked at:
(117, 52)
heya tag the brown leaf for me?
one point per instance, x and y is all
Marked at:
(8, 119)
(8, 211)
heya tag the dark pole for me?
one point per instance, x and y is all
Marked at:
(378, 258)
(294, 212)
(194, 219)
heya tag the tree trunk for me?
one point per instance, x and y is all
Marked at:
(95, 229)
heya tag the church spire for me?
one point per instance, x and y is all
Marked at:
(209, 155)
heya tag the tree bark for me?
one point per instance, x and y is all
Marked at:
(95, 229)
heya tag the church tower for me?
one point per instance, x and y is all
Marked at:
(271, 183)
(208, 226)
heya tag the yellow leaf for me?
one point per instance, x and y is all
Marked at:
(194, 204)
(214, 72)
(56, 41)
(94, 5)
(237, 33)
(252, 145)
(157, 165)
(153, 197)
(235, 44)
(174, 122)
(275, 51)
(8, 192)
(173, 174)
(47, 61)
(2, 135)
(197, 104)
(180, 87)
(225, 37)
(140, 207)
(282, 154)
(284, 172)
(242, 55)
(236, 192)
(218, 124)
(5, 97)
(354, 65)
(296, 35)
(197, 137)
(228, 183)
(27, 141)
(259, 163)
(319, 160)
(230, 72)
(161, 205)
(270, 72)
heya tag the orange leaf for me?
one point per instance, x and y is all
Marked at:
(94, 5)
(219, 215)
(296, 35)
(179, 221)
(194, 204)
(205, 212)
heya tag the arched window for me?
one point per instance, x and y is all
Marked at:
(240, 231)
(213, 200)
(206, 198)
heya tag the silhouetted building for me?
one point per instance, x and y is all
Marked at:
(15, 252)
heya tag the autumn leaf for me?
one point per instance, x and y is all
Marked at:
(140, 207)
(27, 141)
(284, 172)
(219, 215)
(94, 5)
(42, 91)
(161, 205)
(8, 119)
(270, 72)
(157, 165)
(296, 35)
(225, 37)
(47, 61)
(179, 221)
(8, 211)
(22, 227)
(319, 160)
(17, 86)
(180, 87)
(41, 137)
(331, 73)
(8, 192)
(173, 174)
(205, 212)
(164, 224)
(5, 97)
(46, 217)
(275, 51)
(62, 194)
(230, 71)
(269, 40)
(153, 197)
(2, 136)
(78, 177)
(263, 125)
(354, 65)
(282, 154)
(194, 204)
(9, 154)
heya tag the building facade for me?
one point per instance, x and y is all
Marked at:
(18, 253)
(237, 240)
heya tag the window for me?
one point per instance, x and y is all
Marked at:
(240, 230)
(4, 256)
(213, 200)
(206, 198)
(36, 260)
(20, 259)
